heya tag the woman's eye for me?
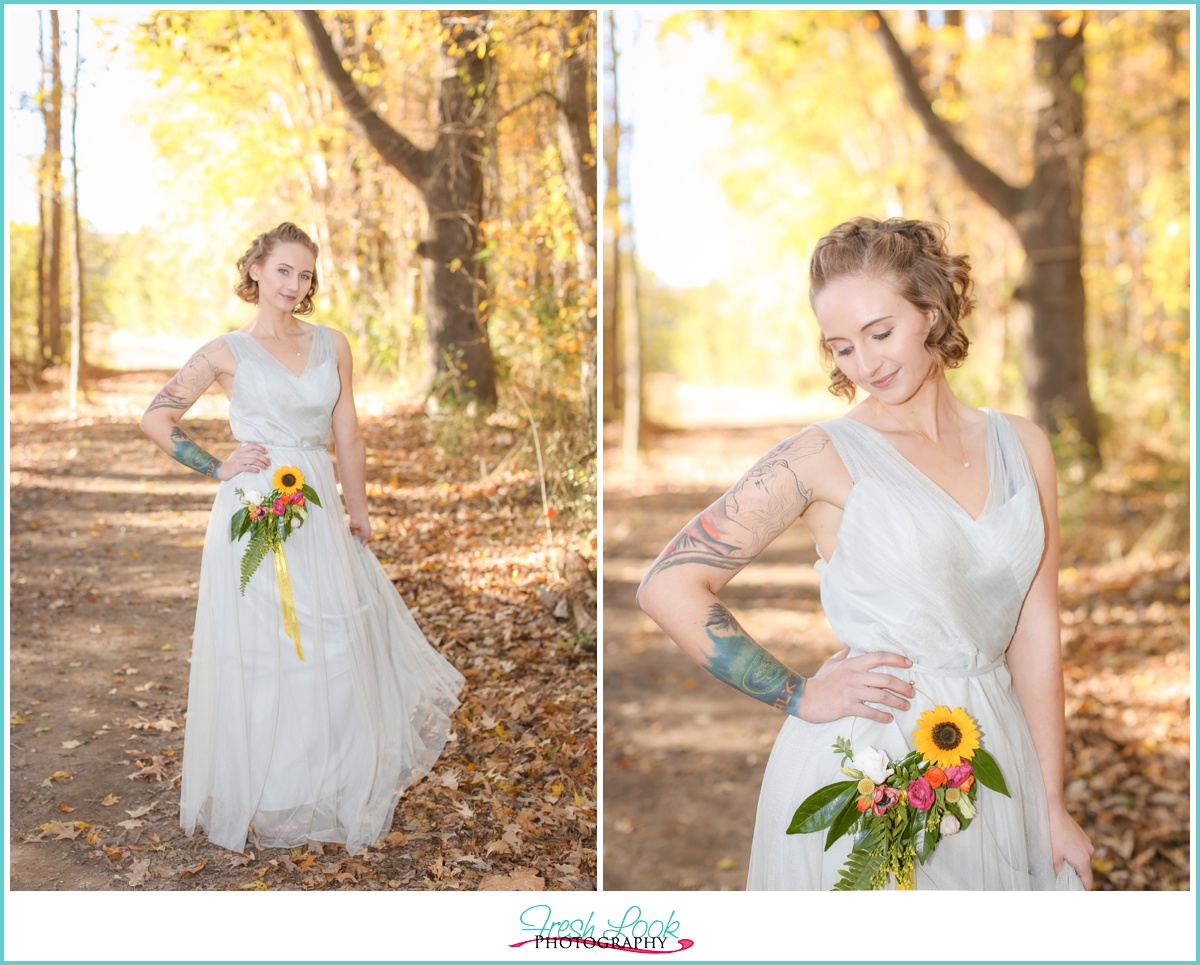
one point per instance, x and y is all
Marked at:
(880, 336)
(843, 352)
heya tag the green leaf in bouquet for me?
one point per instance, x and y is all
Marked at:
(927, 839)
(843, 746)
(239, 524)
(821, 807)
(845, 819)
(987, 771)
(254, 554)
(310, 494)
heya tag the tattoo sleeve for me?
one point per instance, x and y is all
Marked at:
(742, 663)
(187, 452)
(761, 505)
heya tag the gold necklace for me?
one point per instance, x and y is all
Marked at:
(277, 339)
(957, 431)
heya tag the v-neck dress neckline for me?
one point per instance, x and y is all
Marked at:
(926, 480)
(312, 351)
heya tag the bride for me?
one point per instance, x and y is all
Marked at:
(314, 699)
(937, 529)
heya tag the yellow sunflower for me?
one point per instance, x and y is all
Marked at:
(946, 736)
(288, 479)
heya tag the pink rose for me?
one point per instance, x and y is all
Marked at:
(884, 797)
(957, 774)
(279, 507)
(297, 498)
(920, 794)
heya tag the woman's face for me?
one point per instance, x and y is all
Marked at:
(285, 276)
(877, 337)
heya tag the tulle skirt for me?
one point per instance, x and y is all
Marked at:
(291, 750)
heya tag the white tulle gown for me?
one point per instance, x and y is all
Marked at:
(914, 574)
(319, 749)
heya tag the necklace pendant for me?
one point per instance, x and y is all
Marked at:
(966, 465)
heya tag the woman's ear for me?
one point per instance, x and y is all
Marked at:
(254, 272)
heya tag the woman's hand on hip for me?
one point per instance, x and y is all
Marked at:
(844, 686)
(248, 457)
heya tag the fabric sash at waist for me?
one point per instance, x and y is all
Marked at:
(939, 671)
(955, 671)
(274, 448)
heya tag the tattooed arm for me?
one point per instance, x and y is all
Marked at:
(160, 422)
(680, 591)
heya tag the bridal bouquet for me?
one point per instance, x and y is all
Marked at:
(270, 519)
(898, 811)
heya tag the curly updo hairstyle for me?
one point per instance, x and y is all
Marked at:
(911, 255)
(247, 288)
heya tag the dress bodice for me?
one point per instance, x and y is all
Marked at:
(272, 406)
(913, 572)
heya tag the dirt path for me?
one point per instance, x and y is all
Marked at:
(105, 541)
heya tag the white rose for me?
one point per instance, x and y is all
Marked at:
(254, 497)
(949, 825)
(873, 763)
(295, 522)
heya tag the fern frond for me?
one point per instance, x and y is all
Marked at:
(861, 872)
(254, 554)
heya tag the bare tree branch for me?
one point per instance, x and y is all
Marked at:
(412, 162)
(1004, 197)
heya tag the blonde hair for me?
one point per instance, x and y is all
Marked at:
(913, 256)
(247, 288)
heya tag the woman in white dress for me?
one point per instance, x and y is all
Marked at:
(937, 529)
(304, 730)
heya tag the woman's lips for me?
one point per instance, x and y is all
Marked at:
(885, 381)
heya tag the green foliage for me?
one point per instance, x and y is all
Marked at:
(865, 865)
(255, 550)
(819, 809)
(985, 768)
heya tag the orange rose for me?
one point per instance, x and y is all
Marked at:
(966, 785)
(864, 803)
(935, 776)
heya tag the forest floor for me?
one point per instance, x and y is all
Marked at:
(684, 754)
(105, 540)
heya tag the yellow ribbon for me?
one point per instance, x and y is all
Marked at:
(290, 625)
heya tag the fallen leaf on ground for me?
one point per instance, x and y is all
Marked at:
(513, 881)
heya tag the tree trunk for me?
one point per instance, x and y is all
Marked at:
(54, 181)
(43, 237)
(631, 324)
(578, 152)
(77, 249)
(460, 362)
(449, 177)
(612, 232)
(1046, 214)
(575, 132)
(1050, 228)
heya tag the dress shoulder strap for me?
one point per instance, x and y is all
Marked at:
(1008, 464)
(235, 341)
(853, 445)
